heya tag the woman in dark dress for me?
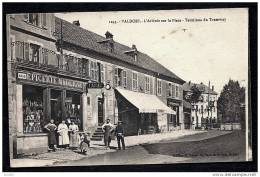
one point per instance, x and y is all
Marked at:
(51, 127)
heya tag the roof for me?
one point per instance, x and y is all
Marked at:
(148, 103)
(79, 36)
(187, 87)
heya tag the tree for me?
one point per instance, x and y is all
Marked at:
(229, 102)
(193, 97)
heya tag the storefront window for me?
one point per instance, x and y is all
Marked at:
(73, 108)
(33, 109)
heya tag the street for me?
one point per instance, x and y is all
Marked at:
(193, 148)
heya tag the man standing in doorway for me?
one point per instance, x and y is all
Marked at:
(107, 129)
(120, 135)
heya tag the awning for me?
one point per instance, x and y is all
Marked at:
(145, 103)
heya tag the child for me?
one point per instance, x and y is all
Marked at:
(85, 142)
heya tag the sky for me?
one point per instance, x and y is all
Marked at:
(195, 49)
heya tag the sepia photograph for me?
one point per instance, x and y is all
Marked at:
(136, 87)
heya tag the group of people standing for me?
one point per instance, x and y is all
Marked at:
(109, 130)
(68, 136)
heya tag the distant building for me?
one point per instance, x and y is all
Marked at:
(205, 111)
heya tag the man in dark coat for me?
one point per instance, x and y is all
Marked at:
(51, 128)
(120, 135)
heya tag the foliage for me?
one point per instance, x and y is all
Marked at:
(230, 100)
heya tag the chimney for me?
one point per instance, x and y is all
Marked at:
(109, 35)
(134, 47)
(76, 22)
(212, 88)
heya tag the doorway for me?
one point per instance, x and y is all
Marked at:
(100, 111)
(56, 112)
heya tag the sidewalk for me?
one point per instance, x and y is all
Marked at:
(97, 147)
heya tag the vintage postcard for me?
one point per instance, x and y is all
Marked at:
(128, 87)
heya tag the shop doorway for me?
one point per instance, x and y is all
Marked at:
(73, 108)
(100, 111)
(56, 111)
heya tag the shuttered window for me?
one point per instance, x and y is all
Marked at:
(19, 50)
(159, 87)
(134, 81)
(147, 83)
(44, 20)
(124, 78)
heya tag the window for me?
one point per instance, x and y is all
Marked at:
(159, 87)
(44, 20)
(124, 79)
(33, 18)
(169, 90)
(85, 66)
(93, 70)
(34, 53)
(102, 76)
(33, 117)
(135, 81)
(177, 91)
(173, 90)
(117, 76)
(147, 83)
(12, 41)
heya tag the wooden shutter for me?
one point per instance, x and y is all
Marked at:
(151, 85)
(44, 19)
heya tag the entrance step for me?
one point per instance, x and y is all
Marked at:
(97, 135)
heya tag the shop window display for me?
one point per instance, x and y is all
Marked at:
(33, 109)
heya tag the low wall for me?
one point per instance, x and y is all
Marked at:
(31, 144)
(230, 126)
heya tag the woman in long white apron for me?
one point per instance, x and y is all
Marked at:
(63, 135)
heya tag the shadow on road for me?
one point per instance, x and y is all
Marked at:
(232, 144)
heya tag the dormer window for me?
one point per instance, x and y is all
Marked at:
(108, 42)
(133, 52)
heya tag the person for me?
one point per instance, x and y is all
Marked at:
(85, 142)
(107, 129)
(73, 129)
(120, 135)
(51, 128)
(63, 134)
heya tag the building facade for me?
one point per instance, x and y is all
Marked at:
(204, 112)
(58, 70)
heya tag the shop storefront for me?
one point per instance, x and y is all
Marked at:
(41, 97)
(140, 116)
(174, 120)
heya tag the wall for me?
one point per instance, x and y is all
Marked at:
(19, 21)
(30, 144)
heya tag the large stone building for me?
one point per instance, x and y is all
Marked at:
(57, 70)
(204, 112)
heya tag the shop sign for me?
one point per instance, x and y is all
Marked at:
(94, 85)
(49, 79)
